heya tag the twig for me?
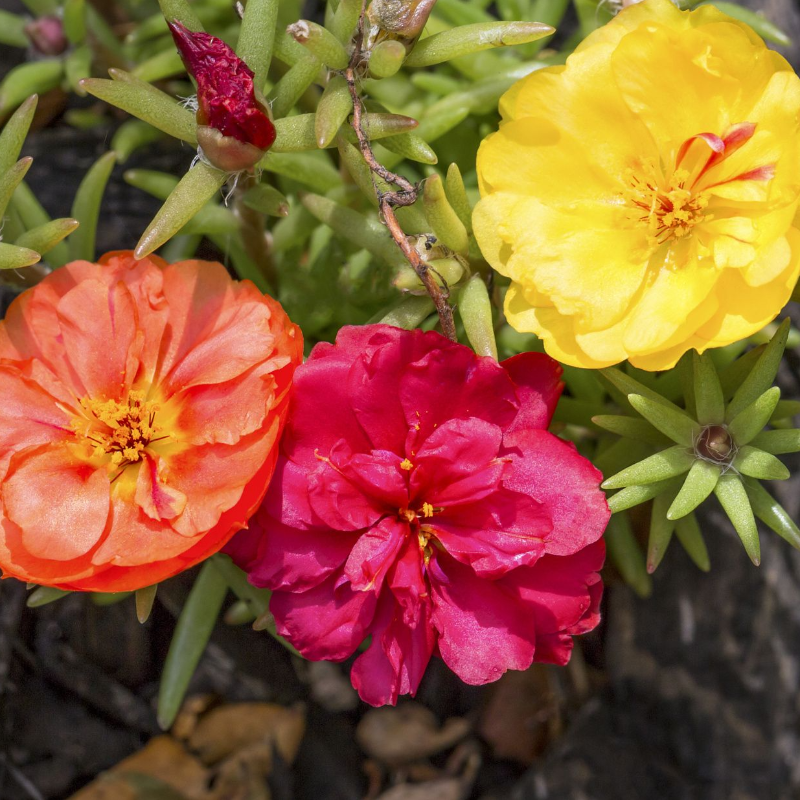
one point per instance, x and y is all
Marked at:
(405, 195)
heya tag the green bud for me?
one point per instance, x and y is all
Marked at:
(320, 43)
(748, 423)
(756, 463)
(35, 77)
(386, 58)
(193, 191)
(732, 497)
(669, 419)
(658, 467)
(335, 106)
(145, 102)
(45, 237)
(12, 257)
(699, 484)
(256, 37)
(689, 535)
(468, 39)
(475, 309)
(448, 228)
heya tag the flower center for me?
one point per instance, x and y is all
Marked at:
(668, 208)
(121, 430)
(715, 444)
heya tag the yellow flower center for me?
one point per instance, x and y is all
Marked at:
(121, 430)
(668, 208)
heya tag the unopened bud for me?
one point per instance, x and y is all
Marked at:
(47, 35)
(233, 123)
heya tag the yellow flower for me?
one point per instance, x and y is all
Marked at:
(643, 197)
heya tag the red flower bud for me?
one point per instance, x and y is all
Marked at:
(225, 92)
(47, 35)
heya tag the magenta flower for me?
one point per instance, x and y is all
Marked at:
(420, 500)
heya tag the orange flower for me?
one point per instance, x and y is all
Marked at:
(141, 406)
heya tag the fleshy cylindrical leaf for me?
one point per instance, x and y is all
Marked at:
(12, 257)
(45, 237)
(320, 42)
(14, 132)
(772, 513)
(632, 496)
(687, 529)
(732, 497)
(626, 555)
(34, 77)
(699, 484)
(709, 402)
(333, 109)
(778, 442)
(475, 309)
(257, 37)
(448, 228)
(144, 602)
(86, 207)
(409, 313)
(386, 58)
(756, 463)
(666, 464)
(669, 419)
(749, 422)
(631, 428)
(661, 530)
(266, 199)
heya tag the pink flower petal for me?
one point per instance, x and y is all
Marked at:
(374, 553)
(60, 503)
(326, 622)
(553, 472)
(537, 378)
(501, 532)
(397, 657)
(482, 631)
(407, 581)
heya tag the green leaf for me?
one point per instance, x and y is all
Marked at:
(409, 313)
(708, 398)
(467, 39)
(333, 110)
(132, 135)
(749, 422)
(631, 428)
(34, 77)
(345, 19)
(756, 463)
(475, 309)
(386, 58)
(733, 375)
(257, 37)
(12, 30)
(144, 101)
(86, 207)
(13, 135)
(632, 496)
(784, 410)
(778, 442)
(313, 170)
(690, 536)
(365, 232)
(762, 376)
(320, 43)
(624, 552)
(291, 87)
(74, 15)
(699, 484)
(669, 419)
(661, 530)
(666, 464)
(191, 636)
(193, 191)
(12, 257)
(77, 67)
(144, 602)
(412, 147)
(266, 199)
(10, 180)
(457, 195)
(45, 237)
(159, 67)
(42, 595)
(109, 598)
(181, 11)
(626, 385)
(733, 498)
(772, 513)
(448, 228)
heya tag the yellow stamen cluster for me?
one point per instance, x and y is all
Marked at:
(667, 206)
(120, 429)
(406, 464)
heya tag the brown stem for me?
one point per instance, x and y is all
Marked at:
(254, 238)
(405, 195)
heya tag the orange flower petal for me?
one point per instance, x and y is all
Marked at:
(153, 496)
